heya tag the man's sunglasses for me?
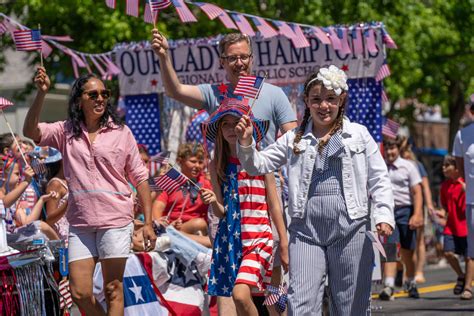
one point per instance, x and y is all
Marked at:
(94, 94)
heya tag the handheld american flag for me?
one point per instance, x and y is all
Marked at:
(390, 128)
(170, 181)
(4, 103)
(26, 40)
(157, 5)
(249, 86)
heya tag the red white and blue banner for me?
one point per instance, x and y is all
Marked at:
(196, 61)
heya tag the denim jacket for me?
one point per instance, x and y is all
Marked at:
(364, 172)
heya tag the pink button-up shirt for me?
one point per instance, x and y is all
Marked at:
(97, 173)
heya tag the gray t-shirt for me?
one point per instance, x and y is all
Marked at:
(272, 104)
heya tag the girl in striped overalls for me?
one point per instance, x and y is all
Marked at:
(334, 167)
(242, 252)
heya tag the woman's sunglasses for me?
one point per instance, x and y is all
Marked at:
(94, 94)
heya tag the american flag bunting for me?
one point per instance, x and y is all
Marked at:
(321, 35)
(213, 11)
(4, 103)
(390, 128)
(184, 13)
(170, 181)
(369, 35)
(264, 28)
(284, 29)
(132, 7)
(243, 25)
(387, 39)
(300, 40)
(249, 86)
(26, 40)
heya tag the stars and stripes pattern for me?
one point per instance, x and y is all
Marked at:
(243, 25)
(65, 298)
(143, 119)
(170, 181)
(243, 246)
(365, 105)
(387, 39)
(26, 40)
(278, 296)
(193, 130)
(4, 103)
(264, 28)
(148, 15)
(284, 29)
(213, 11)
(185, 15)
(249, 86)
(383, 72)
(132, 7)
(300, 40)
(157, 5)
(390, 128)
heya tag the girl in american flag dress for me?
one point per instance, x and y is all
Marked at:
(242, 252)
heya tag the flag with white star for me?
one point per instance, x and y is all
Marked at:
(365, 105)
(143, 118)
(227, 251)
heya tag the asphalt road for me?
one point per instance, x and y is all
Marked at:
(436, 298)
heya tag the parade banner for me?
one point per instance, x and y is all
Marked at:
(197, 61)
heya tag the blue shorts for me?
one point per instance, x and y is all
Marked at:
(402, 233)
(455, 244)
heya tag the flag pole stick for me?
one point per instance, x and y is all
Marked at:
(171, 209)
(41, 50)
(184, 204)
(14, 138)
(258, 93)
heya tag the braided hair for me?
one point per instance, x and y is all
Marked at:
(310, 83)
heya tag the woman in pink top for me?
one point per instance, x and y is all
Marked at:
(100, 156)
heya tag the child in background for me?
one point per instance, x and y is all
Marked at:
(18, 214)
(242, 256)
(334, 167)
(453, 200)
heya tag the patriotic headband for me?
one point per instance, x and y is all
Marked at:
(237, 108)
(332, 78)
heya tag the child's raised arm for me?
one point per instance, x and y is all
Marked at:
(22, 219)
(276, 214)
(11, 197)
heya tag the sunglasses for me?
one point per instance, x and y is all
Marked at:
(94, 94)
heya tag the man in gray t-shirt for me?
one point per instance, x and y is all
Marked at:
(236, 59)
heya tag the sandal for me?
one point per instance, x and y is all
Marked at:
(459, 286)
(466, 295)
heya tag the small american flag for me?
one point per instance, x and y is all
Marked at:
(26, 40)
(243, 25)
(132, 7)
(65, 298)
(265, 29)
(110, 3)
(390, 128)
(148, 15)
(38, 167)
(278, 296)
(157, 5)
(161, 158)
(170, 181)
(184, 13)
(383, 72)
(249, 86)
(300, 40)
(385, 98)
(4, 103)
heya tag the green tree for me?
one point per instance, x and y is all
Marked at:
(434, 62)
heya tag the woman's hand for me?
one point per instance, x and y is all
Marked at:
(207, 196)
(42, 81)
(244, 130)
(384, 229)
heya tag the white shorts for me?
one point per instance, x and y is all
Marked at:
(109, 243)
